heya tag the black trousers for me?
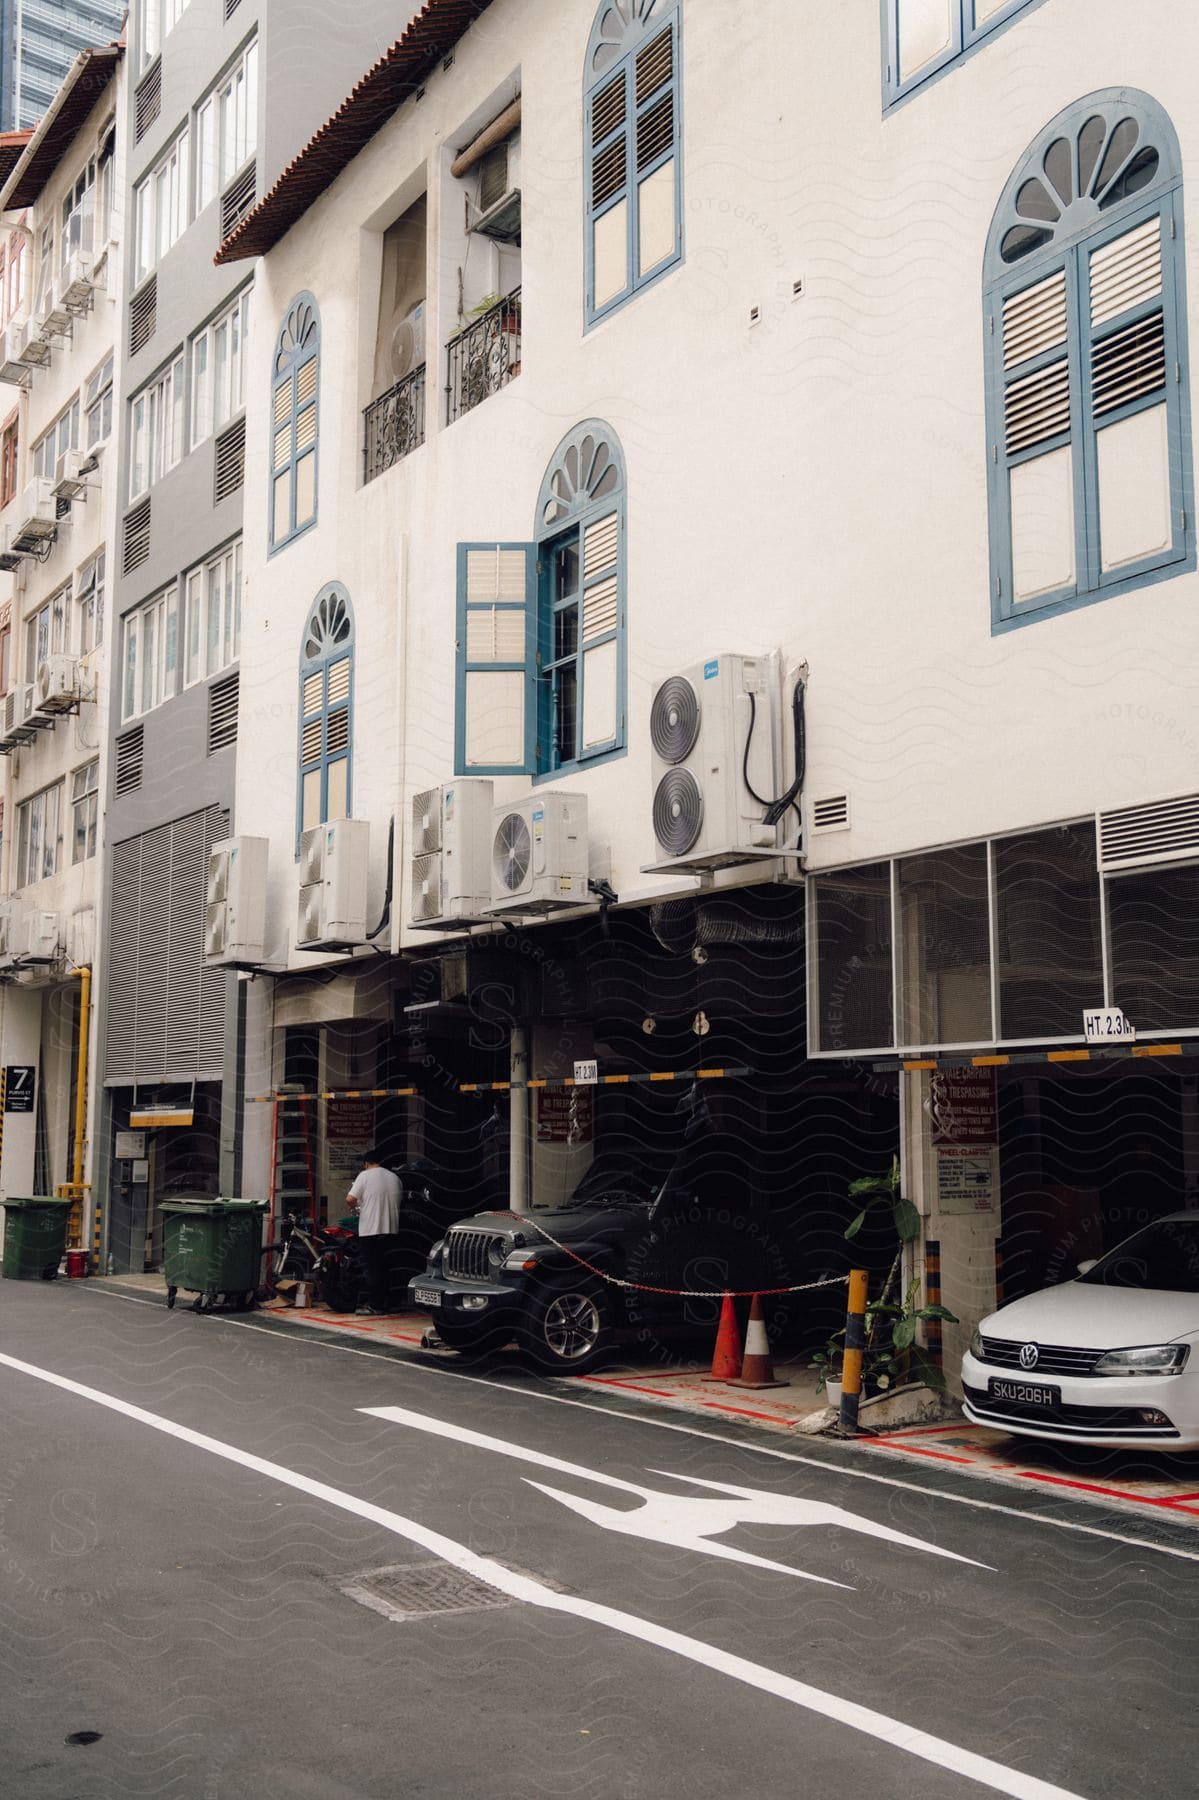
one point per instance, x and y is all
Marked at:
(376, 1261)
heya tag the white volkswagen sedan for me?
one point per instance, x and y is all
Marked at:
(1111, 1358)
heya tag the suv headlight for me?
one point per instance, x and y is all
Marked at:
(1144, 1359)
(520, 1259)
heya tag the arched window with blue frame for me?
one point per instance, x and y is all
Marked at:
(326, 710)
(295, 403)
(1087, 398)
(632, 103)
(542, 660)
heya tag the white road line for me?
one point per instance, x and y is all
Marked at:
(708, 1437)
(872, 1724)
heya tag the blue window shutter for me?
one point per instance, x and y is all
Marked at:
(326, 706)
(295, 402)
(495, 692)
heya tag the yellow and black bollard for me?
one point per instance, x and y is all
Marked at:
(855, 1343)
(932, 1286)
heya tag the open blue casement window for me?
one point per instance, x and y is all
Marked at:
(541, 626)
(631, 164)
(922, 37)
(295, 398)
(326, 711)
(1087, 404)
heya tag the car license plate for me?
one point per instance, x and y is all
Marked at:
(1025, 1393)
(426, 1296)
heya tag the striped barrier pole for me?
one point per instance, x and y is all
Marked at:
(932, 1283)
(855, 1343)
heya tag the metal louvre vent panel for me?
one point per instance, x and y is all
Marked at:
(1163, 832)
(1129, 364)
(655, 64)
(831, 814)
(143, 315)
(426, 822)
(674, 719)
(600, 543)
(600, 608)
(1037, 407)
(306, 382)
(128, 777)
(495, 575)
(1035, 320)
(1126, 272)
(339, 681)
(238, 198)
(497, 635)
(468, 1254)
(655, 131)
(1052, 1359)
(222, 714)
(314, 687)
(166, 1020)
(337, 734)
(147, 102)
(136, 546)
(231, 7)
(426, 886)
(230, 461)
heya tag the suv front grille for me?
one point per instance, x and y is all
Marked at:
(468, 1254)
(1052, 1359)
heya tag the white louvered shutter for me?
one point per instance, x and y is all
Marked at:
(1128, 370)
(1035, 349)
(496, 657)
(600, 635)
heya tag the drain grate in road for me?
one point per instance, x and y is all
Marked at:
(422, 1590)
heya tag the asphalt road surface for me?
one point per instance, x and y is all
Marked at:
(577, 1599)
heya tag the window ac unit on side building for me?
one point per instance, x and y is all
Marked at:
(35, 520)
(713, 730)
(14, 370)
(70, 475)
(76, 287)
(539, 857)
(57, 688)
(39, 940)
(10, 916)
(235, 903)
(451, 854)
(334, 868)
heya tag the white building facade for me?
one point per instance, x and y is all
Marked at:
(63, 221)
(841, 363)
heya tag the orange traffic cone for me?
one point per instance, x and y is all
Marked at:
(726, 1358)
(757, 1370)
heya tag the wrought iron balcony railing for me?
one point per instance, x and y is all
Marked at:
(483, 358)
(395, 423)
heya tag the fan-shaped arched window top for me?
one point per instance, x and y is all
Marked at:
(632, 103)
(541, 626)
(326, 702)
(295, 405)
(1087, 397)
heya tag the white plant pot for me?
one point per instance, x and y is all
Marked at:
(832, 1395)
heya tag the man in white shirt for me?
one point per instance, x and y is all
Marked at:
(375, 1197)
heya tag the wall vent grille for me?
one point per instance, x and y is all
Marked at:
(238, 198)
(128, 777)
(230, 461)
(231, 7)
(137, 537)
(222, 714)
(831, 814)
(147, 103)
(143, 315)
(1136, 836)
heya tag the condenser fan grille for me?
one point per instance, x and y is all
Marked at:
(674, 719)
(678, 811)
(511, 852)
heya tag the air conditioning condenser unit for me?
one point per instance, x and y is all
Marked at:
(334, 869)
(539, 859)
(235, 902)
(451, 854)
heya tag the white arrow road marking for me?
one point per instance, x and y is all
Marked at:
(940, 1751)
(687, 1521)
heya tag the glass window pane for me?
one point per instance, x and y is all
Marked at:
(944, 948)
(925, 29)
(1047, 902)
(1153, 921)
(853, 958)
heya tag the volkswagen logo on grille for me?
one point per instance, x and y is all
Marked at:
(1029, 1355)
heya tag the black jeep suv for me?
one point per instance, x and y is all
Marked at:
(688, 1222)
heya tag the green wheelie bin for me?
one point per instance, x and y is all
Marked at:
(35, 1237)
(213, 1247)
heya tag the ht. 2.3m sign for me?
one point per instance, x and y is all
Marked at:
(1107, 1025)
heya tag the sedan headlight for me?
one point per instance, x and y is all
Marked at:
(1144, 1359)
(976, 1342)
